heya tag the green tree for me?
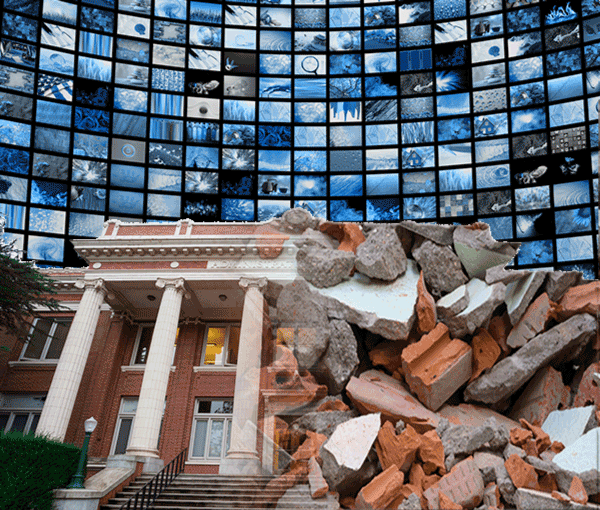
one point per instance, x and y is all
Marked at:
(22, 290)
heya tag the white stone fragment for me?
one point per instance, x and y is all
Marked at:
(582, 455)
(568, 425)
(351, 441)
(384, 308)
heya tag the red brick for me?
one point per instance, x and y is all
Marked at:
(463, 485)
(425, 307)
(580, 299)
(485, 353)
(349, 235)
(400, 450)
(436, 366)
(577, 491)
(588, 392)
(380, 491)
(522, 474)
(499, 328)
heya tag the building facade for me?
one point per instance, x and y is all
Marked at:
(166, 339)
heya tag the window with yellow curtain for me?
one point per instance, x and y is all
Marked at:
(221, 344)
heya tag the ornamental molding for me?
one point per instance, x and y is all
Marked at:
(252, 264)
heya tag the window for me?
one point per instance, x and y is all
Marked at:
(221, 345)
(125, 425)
(211, 431)
(46, 340)
(142, 345)
(20, 412)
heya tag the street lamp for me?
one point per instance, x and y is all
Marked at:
(77, 480)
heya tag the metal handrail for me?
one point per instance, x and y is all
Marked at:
(149, 492)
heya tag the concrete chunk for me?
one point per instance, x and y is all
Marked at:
(324, 267)
(341, 358)
(440, 234)
(376, 391)
(508, 375)
(479, 251)
(528, 499)
(533, 322)
(386, 309)
(351, 441)
(483, 300)
(436, 366)
(568, 425)
(558, 282)
(441, 267)
(581, 455)
(520, 293)
(542, 395)
(381, 255)
(498, 274)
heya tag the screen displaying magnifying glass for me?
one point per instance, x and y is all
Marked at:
(310, 64)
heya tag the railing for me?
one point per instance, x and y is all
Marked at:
(149, 492)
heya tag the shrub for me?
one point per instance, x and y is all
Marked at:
(31, 466)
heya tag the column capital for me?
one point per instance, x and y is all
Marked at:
(97, 284)
(177, 283)
(259, 283)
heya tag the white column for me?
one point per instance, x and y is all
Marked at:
(69, 371)
(146, 427)
(242, 457)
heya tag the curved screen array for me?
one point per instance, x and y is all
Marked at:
(444, 110)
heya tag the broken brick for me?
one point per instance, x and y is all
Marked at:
(387, 354)
(523, 475)
(333, 405)
(500, 327)
(463, 485)
(431, 453)
(580, 299)
(400, 450)
(519, 436)
(548, 483)
(577, 491)
(310, 447)
(318, 485)
(430, 480)
(557, 447)
(588, 390)
(545, 393)
(491, 495)
(416, 476)
(447, 504)
(530, 447)
(349, 235)
(426, 308)
(485, 352)
(436, 366)
(533, 322)
(542, 440)
(380, 491)
(560, 496)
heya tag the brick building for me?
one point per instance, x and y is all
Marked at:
(166, 340)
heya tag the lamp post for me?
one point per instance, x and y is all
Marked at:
(77, 480)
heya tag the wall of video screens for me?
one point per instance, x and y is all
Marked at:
(439, 110)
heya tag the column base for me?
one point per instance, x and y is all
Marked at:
(241, 464)
(143, 452)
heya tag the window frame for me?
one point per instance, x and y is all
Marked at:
(138, 338)
(127, 415)
(47, 342)
(210, 418)
(13, 411)
(227, 325)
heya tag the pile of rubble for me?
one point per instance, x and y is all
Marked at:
(428, 376)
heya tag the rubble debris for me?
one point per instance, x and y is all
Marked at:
(485, 353)
(332, 404)
(544, 394)
(508, 375)
(491, 495)
(463, 440)
(318, 484)
(568, 425)
(581, 299)
(588, 391)
(412, 502)
(520, 293)
(340, 360)
(533, 322)
(387, 354)
(505, 484)
(441, 267)
(436, 366)
(439, 234)
(323, 422)
(474, 415)
(521, 473)
(577, 491)
(483, 300)
(426, 308)
(324, 267)
(558, 282)
(297, 220)
(581, 455)
(453, 303)
(349, 235)
(431, 453)
(463, 485)
(314, 238)
(542, 440)
(498, 274)
(399, 450)
(375, 391)
(479, 251)
(486, 462)
(381, 256)
(380, 491)
(499, 328)
(386, 309)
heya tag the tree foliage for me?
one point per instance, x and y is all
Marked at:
(22, 290)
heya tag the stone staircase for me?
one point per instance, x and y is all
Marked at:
(217, 492)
